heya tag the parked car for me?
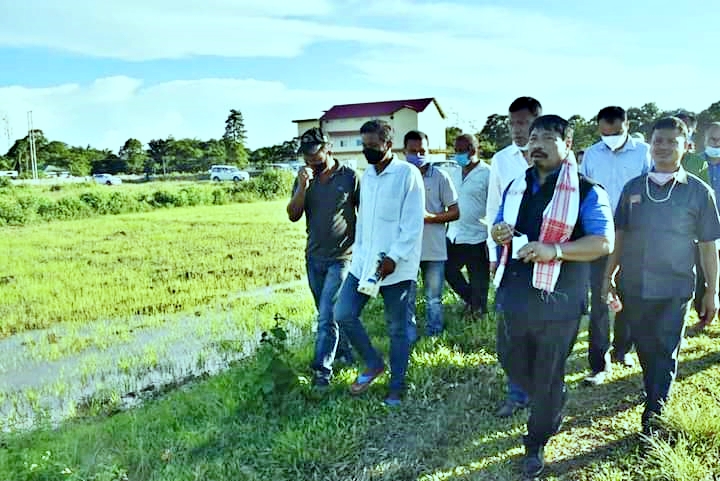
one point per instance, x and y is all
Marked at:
(107, 179)
(227, 172)
(446, 165)
(13, 174)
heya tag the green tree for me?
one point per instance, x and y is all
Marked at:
(157, 153)
(585, 132)
(235, 137)
(452, 133)
(133, 156)
(185, 155)
(495, 132)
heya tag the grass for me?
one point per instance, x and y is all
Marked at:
(142, 264)
(445, 430)
(213, 429)
(26, 204)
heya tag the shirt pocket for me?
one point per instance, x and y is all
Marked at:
(390, 206)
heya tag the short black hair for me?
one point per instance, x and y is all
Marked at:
(689, 119)
(379, 127)
(611, 114)
(415, 135)
(672, 123)
(526, 103)
(553, 123)
(581, 151)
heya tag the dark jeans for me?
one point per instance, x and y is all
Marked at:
(475, 258)
(657, 327)
(397, 299)
(325, 276)
(599, 329)
(535, 359)
(514, 390)
(433, 274)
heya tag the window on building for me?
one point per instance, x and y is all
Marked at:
(358, 142)
(342, 143)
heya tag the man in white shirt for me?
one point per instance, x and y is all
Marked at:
(506, 166)
(386, 254)
(467, 236)
(612, 162)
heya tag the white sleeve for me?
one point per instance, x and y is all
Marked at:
(494, 197)
(412, 214)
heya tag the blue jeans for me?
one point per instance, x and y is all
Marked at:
(433, 273)
(397, 299)
(325, 277)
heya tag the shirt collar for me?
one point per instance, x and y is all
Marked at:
(681, 175)
(391, 167)
(429, 171)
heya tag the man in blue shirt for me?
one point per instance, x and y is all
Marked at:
(541, 326)
(612, 162)
(660, 217)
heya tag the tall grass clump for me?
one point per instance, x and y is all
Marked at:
(22, 204)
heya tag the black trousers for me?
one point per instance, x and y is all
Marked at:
(599, 329)
(475, 258)
(537, 351)
(657, 328)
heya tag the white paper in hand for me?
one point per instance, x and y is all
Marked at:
(518, 242)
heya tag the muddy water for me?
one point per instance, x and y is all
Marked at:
(186, 346)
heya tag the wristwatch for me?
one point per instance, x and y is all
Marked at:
(558, 252)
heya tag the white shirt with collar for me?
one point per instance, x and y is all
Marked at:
(472, 198)
(390, 219)
(505, 166)
(613, 170)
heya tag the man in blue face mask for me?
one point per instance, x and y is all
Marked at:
(440, 208)
(467, 236)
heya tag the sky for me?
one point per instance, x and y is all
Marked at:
(98, 73)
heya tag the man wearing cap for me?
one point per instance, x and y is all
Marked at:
(328, 194)
(440, 208)
(612, 162)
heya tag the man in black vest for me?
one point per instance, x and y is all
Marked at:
(660, 217)
(554, 221)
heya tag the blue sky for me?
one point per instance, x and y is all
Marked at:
(100, 72)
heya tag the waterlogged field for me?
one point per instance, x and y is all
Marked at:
(111, 311)
(153, 263)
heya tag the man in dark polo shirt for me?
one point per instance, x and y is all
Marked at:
(660, 216)
(329, 194)
(551, 223)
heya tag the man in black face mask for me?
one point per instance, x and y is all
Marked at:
(328, 194)
(386, 257)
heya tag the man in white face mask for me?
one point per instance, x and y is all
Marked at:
(707, 167)
(612, 162)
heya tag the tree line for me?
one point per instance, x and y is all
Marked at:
(495, 134)
(194, 155)
(161, 156)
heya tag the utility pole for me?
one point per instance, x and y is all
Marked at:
(33, 152)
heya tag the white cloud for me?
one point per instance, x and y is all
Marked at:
(110, 110)
(147, 30)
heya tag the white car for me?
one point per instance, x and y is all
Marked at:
(107, 179)
(227, 172)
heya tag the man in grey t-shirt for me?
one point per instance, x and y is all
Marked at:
(328, 194)
(440, 208)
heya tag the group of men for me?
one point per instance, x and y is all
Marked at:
(633, 222)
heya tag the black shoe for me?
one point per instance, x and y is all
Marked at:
(320, 383)
(508, 408)
(533, 463)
